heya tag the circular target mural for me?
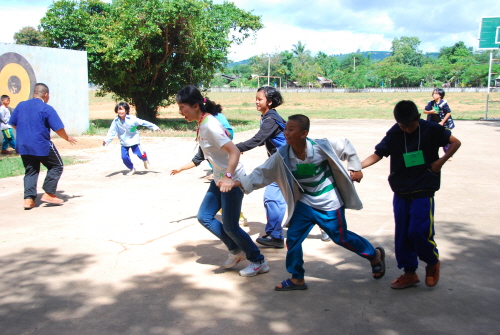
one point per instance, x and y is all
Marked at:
(17, 78)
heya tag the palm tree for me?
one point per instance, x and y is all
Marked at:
(300, 51)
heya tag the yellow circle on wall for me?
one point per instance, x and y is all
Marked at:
(17, 78)
(15, 82)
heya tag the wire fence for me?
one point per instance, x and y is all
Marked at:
(354, 90)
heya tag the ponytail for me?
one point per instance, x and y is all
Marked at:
(191, 95)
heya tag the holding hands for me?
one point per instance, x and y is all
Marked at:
(356, 175)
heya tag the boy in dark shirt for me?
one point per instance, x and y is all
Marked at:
(415, 168)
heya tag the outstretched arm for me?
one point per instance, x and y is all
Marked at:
(62, 133)
(370, 160)
(187, 166)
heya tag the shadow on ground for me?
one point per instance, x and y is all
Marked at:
(36, 295)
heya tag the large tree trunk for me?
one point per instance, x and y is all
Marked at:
(145, 111)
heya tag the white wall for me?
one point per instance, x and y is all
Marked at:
(65, 73)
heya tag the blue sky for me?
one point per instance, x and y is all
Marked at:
(331, 26)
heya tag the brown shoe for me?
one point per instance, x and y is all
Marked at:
(405, 281)
(432, 274)
(6, 152)
(29, 203)
(51, 199)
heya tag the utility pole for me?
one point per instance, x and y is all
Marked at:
(269, 70)
(354, 59)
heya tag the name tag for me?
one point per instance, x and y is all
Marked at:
(305, 170)
(414, 158)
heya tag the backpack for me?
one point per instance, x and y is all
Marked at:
(279, 140)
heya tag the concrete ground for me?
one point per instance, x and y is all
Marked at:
(126, 255)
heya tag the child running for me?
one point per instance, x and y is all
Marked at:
(270, 134)
(317, 189)
(415, 175)
(221, 152)
(125, 126)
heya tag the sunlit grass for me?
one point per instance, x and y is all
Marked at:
(11, 166)
(239, 108)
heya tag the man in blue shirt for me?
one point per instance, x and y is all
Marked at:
(33, 119)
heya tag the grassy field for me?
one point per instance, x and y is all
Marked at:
(12, 165)
(239, 108)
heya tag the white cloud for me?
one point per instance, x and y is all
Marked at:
(331, 26)
(18, 18)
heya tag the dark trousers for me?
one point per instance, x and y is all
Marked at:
(53, 163)
(414, 236)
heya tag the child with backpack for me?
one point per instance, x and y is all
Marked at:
(270, 133)
(438, 111)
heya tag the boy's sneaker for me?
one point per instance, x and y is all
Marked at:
(324, 237)
(146, 163)
(271, 242)
(254, 269)
(405, 281)
(131, 172)
(234, 259)
(432, 274)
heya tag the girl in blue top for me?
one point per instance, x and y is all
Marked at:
(125, 126)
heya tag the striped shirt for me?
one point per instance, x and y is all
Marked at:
(318, 183)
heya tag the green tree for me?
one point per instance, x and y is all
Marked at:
(352, 62)
(29, 36)
(328, 64)
(307, 73)
(145, 50)
(286, 69)
(456, 52)
(303, 55)
(405, 51)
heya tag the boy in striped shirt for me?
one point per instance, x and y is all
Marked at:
(317, 189)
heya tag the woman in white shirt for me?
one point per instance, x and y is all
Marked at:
(221, 152)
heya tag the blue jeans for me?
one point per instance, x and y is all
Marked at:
(333, 223)
(136, 149)
(229, 231)
(275, 206)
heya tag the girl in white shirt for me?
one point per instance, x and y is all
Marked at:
(221, 152)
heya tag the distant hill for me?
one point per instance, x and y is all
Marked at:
(372, 55)
(241, 62)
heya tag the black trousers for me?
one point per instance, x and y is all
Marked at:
(54, 164)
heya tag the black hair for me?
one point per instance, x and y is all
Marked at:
(406, 112)
(439, 91)
(272, 95)
(191, 95)
(4, 97)
(123, 105)
(41, 88)
(302, 120)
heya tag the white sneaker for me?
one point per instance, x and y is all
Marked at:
(131, 172)
(254, 269)
(234, 259)
(146, 163)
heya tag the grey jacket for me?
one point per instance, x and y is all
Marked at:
(277, 169)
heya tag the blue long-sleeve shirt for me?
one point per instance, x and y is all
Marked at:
(127, 130)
